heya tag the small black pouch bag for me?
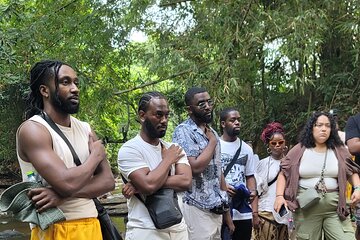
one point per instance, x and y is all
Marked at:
(164, 208)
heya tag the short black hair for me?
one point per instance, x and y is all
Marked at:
(224, 114)
(40, 74)
(145, 99)
(189, 95)
(307, 138)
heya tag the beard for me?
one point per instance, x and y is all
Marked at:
(203, 117)
(232, 132)
(152, 131)
(63, 105)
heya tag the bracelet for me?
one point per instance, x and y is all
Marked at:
(279, 195)
(255, 213)
(356, 188)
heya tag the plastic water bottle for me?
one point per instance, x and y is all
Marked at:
(291, 225)
(31, 176)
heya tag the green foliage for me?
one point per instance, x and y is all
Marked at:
(274, 60)
(11, 111)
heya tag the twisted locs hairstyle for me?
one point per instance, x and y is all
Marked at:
(40, 74)
(145, 99)
(270, 130)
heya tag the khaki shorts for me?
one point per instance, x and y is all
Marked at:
(202, 224)
(155, 234)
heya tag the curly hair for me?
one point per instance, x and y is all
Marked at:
(40, 74)
(306, 138)
(270, 130)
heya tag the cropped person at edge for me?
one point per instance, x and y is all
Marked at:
(301, 169)
(54, 91)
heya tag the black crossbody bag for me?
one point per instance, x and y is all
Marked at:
(108, 229)
(163, 207)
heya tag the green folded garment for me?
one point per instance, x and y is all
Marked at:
(15, 199)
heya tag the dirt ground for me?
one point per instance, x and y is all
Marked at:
(8, 180)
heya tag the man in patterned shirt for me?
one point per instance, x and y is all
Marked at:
(206, 201)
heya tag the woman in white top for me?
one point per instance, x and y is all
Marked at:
(319, 166)
(266, 175)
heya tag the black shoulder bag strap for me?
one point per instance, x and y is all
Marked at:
(61, 134)
(108, 229)
(99, 207)
(274, 180)
(136, 194)
(229, 166)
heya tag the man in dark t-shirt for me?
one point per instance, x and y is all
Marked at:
(352, 140)
(352, 136)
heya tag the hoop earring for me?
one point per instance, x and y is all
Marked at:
(285, 149)
(268, 150)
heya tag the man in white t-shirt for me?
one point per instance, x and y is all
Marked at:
(145, 161)
(239, 174)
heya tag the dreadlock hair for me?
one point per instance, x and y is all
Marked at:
(145, 99)
(40, 74)
(189, 95)
(270, 130)
(307, 138)
(223, 115)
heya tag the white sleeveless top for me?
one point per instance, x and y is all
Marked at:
(78, 135)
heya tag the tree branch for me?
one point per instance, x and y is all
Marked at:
(174, 3)
(66, 5)
(163, 79)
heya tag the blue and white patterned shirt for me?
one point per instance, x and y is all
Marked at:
(205, 192)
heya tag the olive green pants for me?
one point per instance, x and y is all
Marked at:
(322, 217)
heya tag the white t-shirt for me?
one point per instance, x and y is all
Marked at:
(266, 171)
(136, 154)
(244, 166)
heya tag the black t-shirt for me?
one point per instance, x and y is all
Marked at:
(352, 130)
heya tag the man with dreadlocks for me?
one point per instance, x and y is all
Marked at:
(54, 93)
(146, 161)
